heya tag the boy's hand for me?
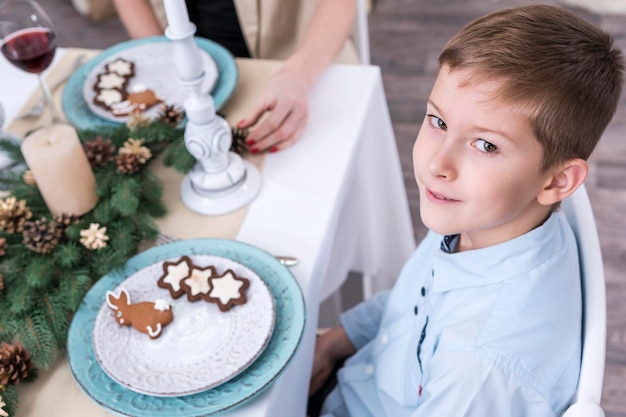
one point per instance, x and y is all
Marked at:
(330, 347)
(322, 367)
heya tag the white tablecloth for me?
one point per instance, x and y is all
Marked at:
(336, 200)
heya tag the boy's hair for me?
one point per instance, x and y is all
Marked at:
(564, 73)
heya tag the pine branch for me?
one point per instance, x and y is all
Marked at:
(42, 292)
(10, 397)
(10, 179)
(40, 273)
(178, 157)
(125, 197)
(58, 318)
(12, 147)
(38, 339)
(68, 254)
(73, 288)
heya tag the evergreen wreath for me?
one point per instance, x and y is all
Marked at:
(41, 289)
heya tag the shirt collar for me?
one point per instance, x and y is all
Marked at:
(499, 262)
(449, 243)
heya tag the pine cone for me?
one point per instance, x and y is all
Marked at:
(15, 363)
(64, 220)
(28, 177)
(127, 163)
(13, 215)
(41, 236)
(3, 246)
(99, 151)
(239, 145)
(170, 114)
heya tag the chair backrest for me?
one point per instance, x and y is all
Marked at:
(360, 34)
(578, 211)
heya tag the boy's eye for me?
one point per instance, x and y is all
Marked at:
(485, 146)
(437, 122)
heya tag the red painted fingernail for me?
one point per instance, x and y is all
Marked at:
(254, 150)
(250, 142)
(274, 149)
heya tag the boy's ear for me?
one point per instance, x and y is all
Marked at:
(563, 180)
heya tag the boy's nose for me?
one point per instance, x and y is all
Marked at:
(442, 163)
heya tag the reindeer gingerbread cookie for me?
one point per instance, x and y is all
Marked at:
(147, 317)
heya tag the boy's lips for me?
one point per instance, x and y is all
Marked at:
(438, 198)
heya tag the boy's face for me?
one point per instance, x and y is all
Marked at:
(477, 164)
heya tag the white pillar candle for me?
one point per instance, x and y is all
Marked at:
(61, 169)
(177, 17)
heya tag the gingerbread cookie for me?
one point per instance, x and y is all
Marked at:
(228, 290)
(109, 80)
(123, 108)
(198, 284)
(143, 98)
(173, 274)
(121, 67)
(146, 317)
(108, 98)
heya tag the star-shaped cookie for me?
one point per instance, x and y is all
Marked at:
(228, 290)
(198, 284)
(111, 80)
(173, 274)
(108, 97)
(121, 67)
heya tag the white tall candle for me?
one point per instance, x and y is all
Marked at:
(61, 170)
(177, 17)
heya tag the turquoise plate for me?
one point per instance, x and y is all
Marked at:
(78, 113)
(289, 326)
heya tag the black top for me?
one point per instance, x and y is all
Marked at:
(217, 20)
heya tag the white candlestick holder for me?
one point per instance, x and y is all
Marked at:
(221, 181)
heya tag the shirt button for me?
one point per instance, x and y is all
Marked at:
(369, 369)
(384, 339)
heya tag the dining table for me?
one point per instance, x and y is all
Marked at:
(335, 200)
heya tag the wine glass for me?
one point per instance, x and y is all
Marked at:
(29, 42)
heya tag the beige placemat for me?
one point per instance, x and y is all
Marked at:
(180, 221)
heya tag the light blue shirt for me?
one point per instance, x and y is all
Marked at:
(493, 332)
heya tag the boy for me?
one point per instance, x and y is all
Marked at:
(485, 318)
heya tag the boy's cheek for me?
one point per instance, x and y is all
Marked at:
(419, 157)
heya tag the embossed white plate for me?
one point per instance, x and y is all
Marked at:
(154, 69)
(202, 347)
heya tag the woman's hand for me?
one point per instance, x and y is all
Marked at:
(284, 99)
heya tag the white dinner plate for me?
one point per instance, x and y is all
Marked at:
(154, 70)
(201, 348)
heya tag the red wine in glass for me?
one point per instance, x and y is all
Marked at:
(29, 41)
(31, 50)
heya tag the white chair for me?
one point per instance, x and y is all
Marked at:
(578, 210)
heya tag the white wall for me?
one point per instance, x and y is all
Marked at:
(600, 6)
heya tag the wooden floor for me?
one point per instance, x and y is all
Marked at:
(406, 37)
